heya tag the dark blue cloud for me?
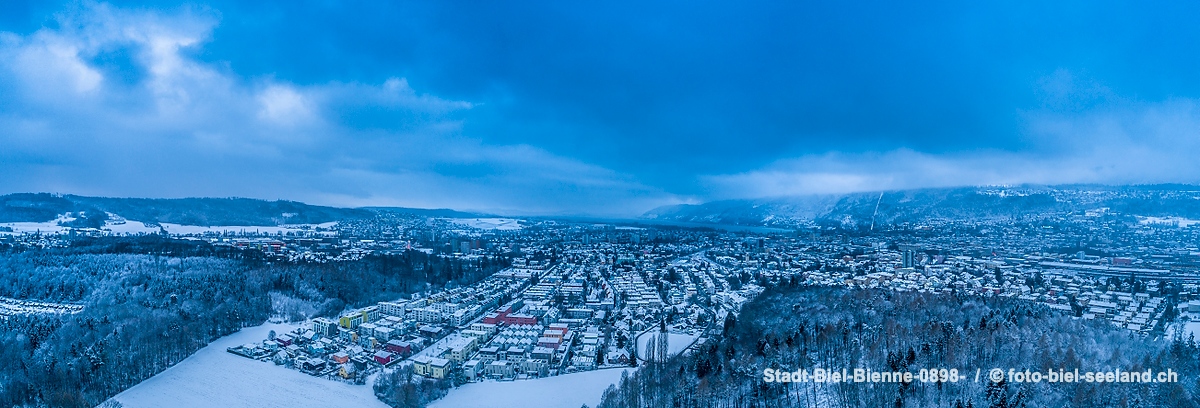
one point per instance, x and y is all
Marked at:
(672, 96)
(673, 89)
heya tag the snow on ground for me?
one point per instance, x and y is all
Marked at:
(676, 342)
(1176, 221)
(1191, 328)
(562, 391)
(437, 348)
(130, 227)
(1188, 328)
(215, 378)
(48, 227)
(115, 224)
(12, 307)
(504, 224)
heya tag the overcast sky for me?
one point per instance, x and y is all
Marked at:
(599, 108)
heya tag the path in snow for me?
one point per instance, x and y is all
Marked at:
(676, 342)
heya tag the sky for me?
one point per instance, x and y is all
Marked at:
(603, 108)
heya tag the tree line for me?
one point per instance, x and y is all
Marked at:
(144, 312)
(792, 328)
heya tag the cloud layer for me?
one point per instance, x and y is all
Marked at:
(114, 102)
(543, 107)
(1081, 133)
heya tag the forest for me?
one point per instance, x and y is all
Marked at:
(40, 207)
(145, 311)
(400, 388)
(794, 327)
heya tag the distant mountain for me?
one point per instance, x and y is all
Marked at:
(429, 212)
(25, 207)
(760, 212)
(861, 210)
(89, 211)
(856, 211)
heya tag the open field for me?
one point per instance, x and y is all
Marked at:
(215, 378)
(563, 391)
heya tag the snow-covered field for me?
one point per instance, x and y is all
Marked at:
(562, 391)
(130, 228)
(1188, 328)
(115, 224)
(215, 378)
(1191, 328)
(676, 342)
(504, 224)
(48, 227)
(1176, 221)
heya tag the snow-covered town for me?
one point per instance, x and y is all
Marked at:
(547, 204)
(592, 311)
(455, 304)
(596, 295)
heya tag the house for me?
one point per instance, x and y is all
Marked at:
(487, 329)
(320, 347)
(514, 353)
(585, 358)
(461, 348)
(560, 327)
(421, 365)
(617, 357)
(491, 318)
(533, 367)
(429, 315)
(500, 369)
(359, 362)
(542, 353)
(347, 371)
(580, 313)
(431, 331)
(459, 317)
(489, 354)
(439, 367)
(552, 334)
(385, 333)
(398, 347)
(550, 342)
(353, 319)
(340, 357)
(307, 335)
(383, 357)
(293, 350)
(367, 329)
(313, 365)
(518, 319)
(396, 309)
(280, 358)
(472, 369)
(479, 335)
